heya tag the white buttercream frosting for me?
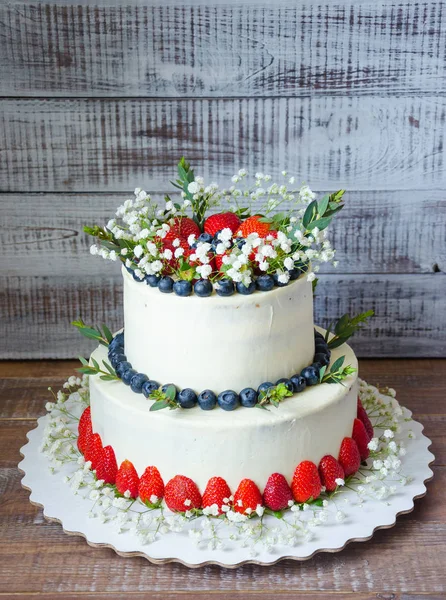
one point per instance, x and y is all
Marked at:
(218, 343)
(247, 442)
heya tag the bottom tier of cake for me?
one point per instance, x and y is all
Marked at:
(245, 443)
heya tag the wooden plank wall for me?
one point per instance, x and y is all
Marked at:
(98, 97)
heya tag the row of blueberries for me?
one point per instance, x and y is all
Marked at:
(224, 287)
(207, 400)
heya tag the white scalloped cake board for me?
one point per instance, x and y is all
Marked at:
(61, 504)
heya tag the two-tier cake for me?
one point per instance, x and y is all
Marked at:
(219, 394)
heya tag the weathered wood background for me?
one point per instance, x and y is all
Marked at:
(98, 97)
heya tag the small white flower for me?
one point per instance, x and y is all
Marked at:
(388, 434)
(187, 502)
(373, 444)
(179, 252)
(339, 481)
(193, 187)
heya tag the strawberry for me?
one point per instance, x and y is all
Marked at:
(247, 497)
(306, 483)
(106, 467)
(127, 479)
(349, 457)
(84, 429)
(253, 225)
(364, 417)
(94, 450)
(277, 492)
(361, 438)
(329, 471)
(151, 484)
(216, 223)
(216, 492)
(182, 494)
(182, 228)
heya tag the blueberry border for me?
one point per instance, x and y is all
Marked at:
(203, 288)
(207, 399)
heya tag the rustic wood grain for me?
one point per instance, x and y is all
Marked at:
(221, 49)
(115, 144)
(36, 312)
(377, 232)
(53, 565)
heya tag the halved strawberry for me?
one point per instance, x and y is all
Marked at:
(277, 493)
(306, 482)
(349, 457)
(247, 497)
(329, 471)
(254, 225)
(127, 479)
(216, 223)
(217, 492)
(151, 487)
(106, 467)
(182, 494)
(361, 438)
(364, 417)
(85, 430)
(94, 450)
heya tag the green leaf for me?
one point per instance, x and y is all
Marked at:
(336, 342)
(321, 372)
(323, 204)
(337, 364)
(309, 214)
(342, 323)
(83, 361)
(108, 377)
(108, 333)
(96, 364)
(87, 371)
(159, 405)
(171, 392)
(320, 223)
(109, 368)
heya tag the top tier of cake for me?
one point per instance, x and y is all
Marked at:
(218, 343)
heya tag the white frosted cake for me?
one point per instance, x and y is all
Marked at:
(219, 395)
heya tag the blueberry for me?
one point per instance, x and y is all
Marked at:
(240, 242)
(149, 386)
(137, 382)
(248, 397)
(228, 400)
(165, 285)
(115, 358)
(322, 358)
(182, 288)
(264, 283)
(127, 376)
(225, 287)
(205, 237)
(321, 346)
(299, 383)
(203, 288)
(294, 274)
(117, 342)
(311, 375)
(277, 282)
(187, 398)
(152, 280)
(122, 368)
(319, 336)
(264, 386)
(288, 383)
(166, 385)
(317, 366)
(246, 290)
(207, 400)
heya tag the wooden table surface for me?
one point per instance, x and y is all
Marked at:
(38, 559)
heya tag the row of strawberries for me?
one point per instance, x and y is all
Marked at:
(181, 493)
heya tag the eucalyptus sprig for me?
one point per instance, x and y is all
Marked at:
(164, 399)
(104, 337)
(337, 372)
(273, 395)
(320, 213)
(345, 327)
(94, 369)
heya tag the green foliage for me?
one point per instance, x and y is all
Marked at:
(337, 372)
(104, 337)
(345, 327)
(94, 369)
(164, 399)
(273, 395)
